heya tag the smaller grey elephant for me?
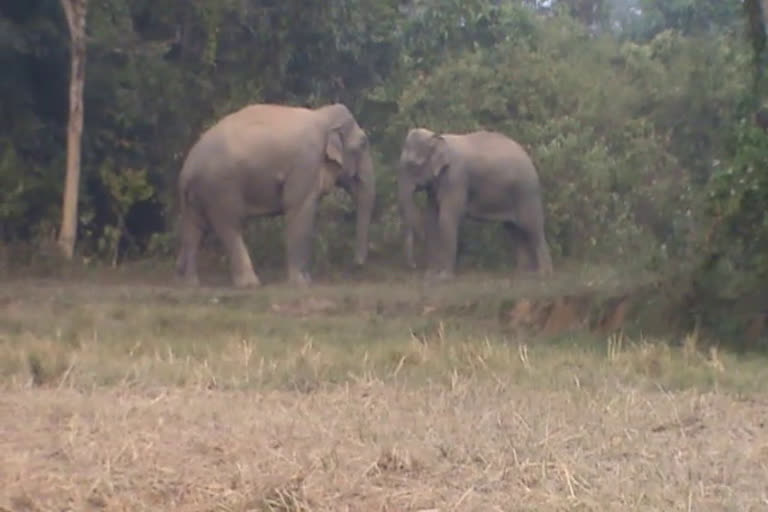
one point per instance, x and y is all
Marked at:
(483, 175)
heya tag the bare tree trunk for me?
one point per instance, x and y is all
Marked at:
(764, 6)
(75, 11)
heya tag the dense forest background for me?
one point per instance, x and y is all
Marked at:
(640, 115)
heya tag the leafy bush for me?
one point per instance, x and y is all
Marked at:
(638, 119)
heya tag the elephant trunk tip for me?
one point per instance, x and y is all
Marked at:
(365, 192)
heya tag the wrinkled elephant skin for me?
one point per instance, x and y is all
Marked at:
(481, 175)
(267, 160)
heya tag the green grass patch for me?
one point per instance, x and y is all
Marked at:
(281, 337)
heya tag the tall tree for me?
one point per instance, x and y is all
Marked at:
(757, 22)
(75, 11)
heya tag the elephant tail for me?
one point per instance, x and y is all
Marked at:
(181, 260)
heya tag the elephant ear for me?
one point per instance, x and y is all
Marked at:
(334, 148)
(438, 160)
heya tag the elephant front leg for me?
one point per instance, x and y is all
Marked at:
(298, 241)
(432, 249)
(448, 229)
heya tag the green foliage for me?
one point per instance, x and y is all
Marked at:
(620, 132)
(636, 112)
(690, 16)
(29, 203)
(125, 189)
(738, 195)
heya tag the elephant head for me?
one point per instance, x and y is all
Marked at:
(425, 156)
(347, 150)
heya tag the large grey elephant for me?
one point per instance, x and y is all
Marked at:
(483, 175)
(266, 160)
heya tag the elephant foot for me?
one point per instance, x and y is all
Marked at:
(432, 277)
(541, 270)
(523, 272)
(191, 281)
(546, 271)
(247, 281)
(300, 279)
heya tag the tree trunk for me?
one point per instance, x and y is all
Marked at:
(75, 11)
(764, 10)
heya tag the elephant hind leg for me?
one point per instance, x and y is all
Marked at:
(532, 249)
(191, 236)
(530, 222)
(521, 241)
(228, 229)
(540, 251)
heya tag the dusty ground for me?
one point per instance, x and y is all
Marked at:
(131, 398)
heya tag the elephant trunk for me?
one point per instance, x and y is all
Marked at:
(365, 195)
(412, 224)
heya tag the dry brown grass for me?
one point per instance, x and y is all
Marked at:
(378, 446)
(131, 398)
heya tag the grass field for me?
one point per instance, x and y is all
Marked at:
(367, 396)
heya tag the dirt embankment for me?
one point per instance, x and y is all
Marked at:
(555, 315)
(548, 314)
